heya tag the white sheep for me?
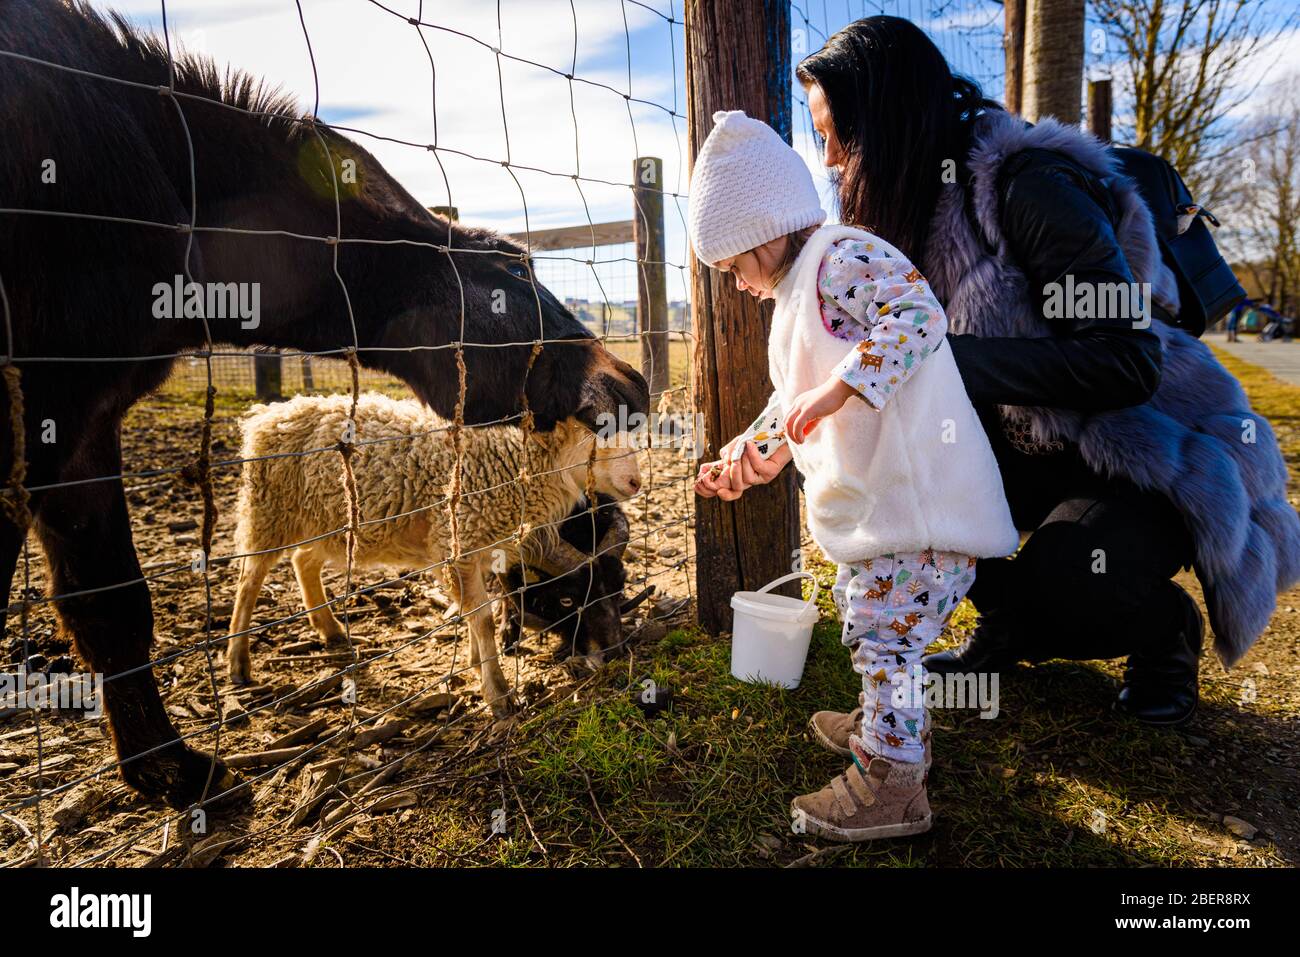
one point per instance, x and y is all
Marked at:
(292, 495)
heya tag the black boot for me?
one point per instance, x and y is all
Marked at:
(1160, 685)
(990, 648)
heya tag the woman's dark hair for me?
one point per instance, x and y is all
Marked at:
(899, 114)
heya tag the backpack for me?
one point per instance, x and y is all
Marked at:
(1207, 287)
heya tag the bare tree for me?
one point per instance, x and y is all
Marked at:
(1269, 202)
(1052, 81)
(1181, 74)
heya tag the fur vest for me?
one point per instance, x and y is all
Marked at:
(1195, 441)
(917, 474)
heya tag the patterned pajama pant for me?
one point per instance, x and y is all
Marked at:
(892, 607)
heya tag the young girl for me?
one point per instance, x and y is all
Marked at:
(901, 487)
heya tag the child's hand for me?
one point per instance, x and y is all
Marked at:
(729, 480)
(810, 407)
(710, 480)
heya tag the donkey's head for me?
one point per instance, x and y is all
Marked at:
(572, 374)
(338, 253)
(429, 283)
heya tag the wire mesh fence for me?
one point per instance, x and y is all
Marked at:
(331, 727)
(248, 374)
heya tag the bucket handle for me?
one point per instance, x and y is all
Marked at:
(785, 578)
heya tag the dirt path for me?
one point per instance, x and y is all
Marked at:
(1278, 357)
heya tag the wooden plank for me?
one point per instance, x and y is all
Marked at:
(737, 58)
(578, 237)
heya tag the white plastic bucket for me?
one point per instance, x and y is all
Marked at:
(770, 633)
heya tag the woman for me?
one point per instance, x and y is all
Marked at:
(1126, 451)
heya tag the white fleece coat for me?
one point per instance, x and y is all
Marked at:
(918, 474)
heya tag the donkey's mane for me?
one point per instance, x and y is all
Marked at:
(145, 56)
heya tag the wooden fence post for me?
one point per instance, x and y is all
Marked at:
(1013, 48)
(652, 283)
(266, 376)
(737, 58)
(1099, 109)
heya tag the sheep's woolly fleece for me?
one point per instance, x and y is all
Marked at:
(293, 487)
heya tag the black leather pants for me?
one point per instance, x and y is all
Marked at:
(1093, 579)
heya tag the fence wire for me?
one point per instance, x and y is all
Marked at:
(235, 370)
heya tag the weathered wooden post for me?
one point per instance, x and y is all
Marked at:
(1099, 109)
(266, 376)
(1013, 48)
(737, 58)
(1053, 63)
(652, 283)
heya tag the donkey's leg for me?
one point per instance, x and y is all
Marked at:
(307, 565)
(11, 546)
(252, 573)
(40, 471)
(86, 534)
(474, 599)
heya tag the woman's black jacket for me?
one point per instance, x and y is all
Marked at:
(1058, 220)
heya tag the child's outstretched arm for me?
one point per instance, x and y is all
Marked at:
(765, 431)
(888, 300)
(738, 467)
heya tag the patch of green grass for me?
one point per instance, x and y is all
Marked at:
(709, 781)
(1055, 779)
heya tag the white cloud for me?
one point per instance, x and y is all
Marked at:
(375, 75)
(1271, 64)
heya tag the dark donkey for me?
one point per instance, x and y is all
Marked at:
(84, 288)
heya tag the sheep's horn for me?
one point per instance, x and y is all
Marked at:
(560, 558)
(636, 600)
(614, 541)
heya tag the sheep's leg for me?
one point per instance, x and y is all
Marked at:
(307, 565)
(472, 594)
(252, 573)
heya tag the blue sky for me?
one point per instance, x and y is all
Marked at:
(374, 75)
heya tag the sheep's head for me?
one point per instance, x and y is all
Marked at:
(615, 469)
(576, 590)
(581, 608)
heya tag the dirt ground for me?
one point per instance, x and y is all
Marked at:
(415, 691)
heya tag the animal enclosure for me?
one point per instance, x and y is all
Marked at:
(325, 729)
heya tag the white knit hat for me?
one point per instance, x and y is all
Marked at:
(748, 187)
